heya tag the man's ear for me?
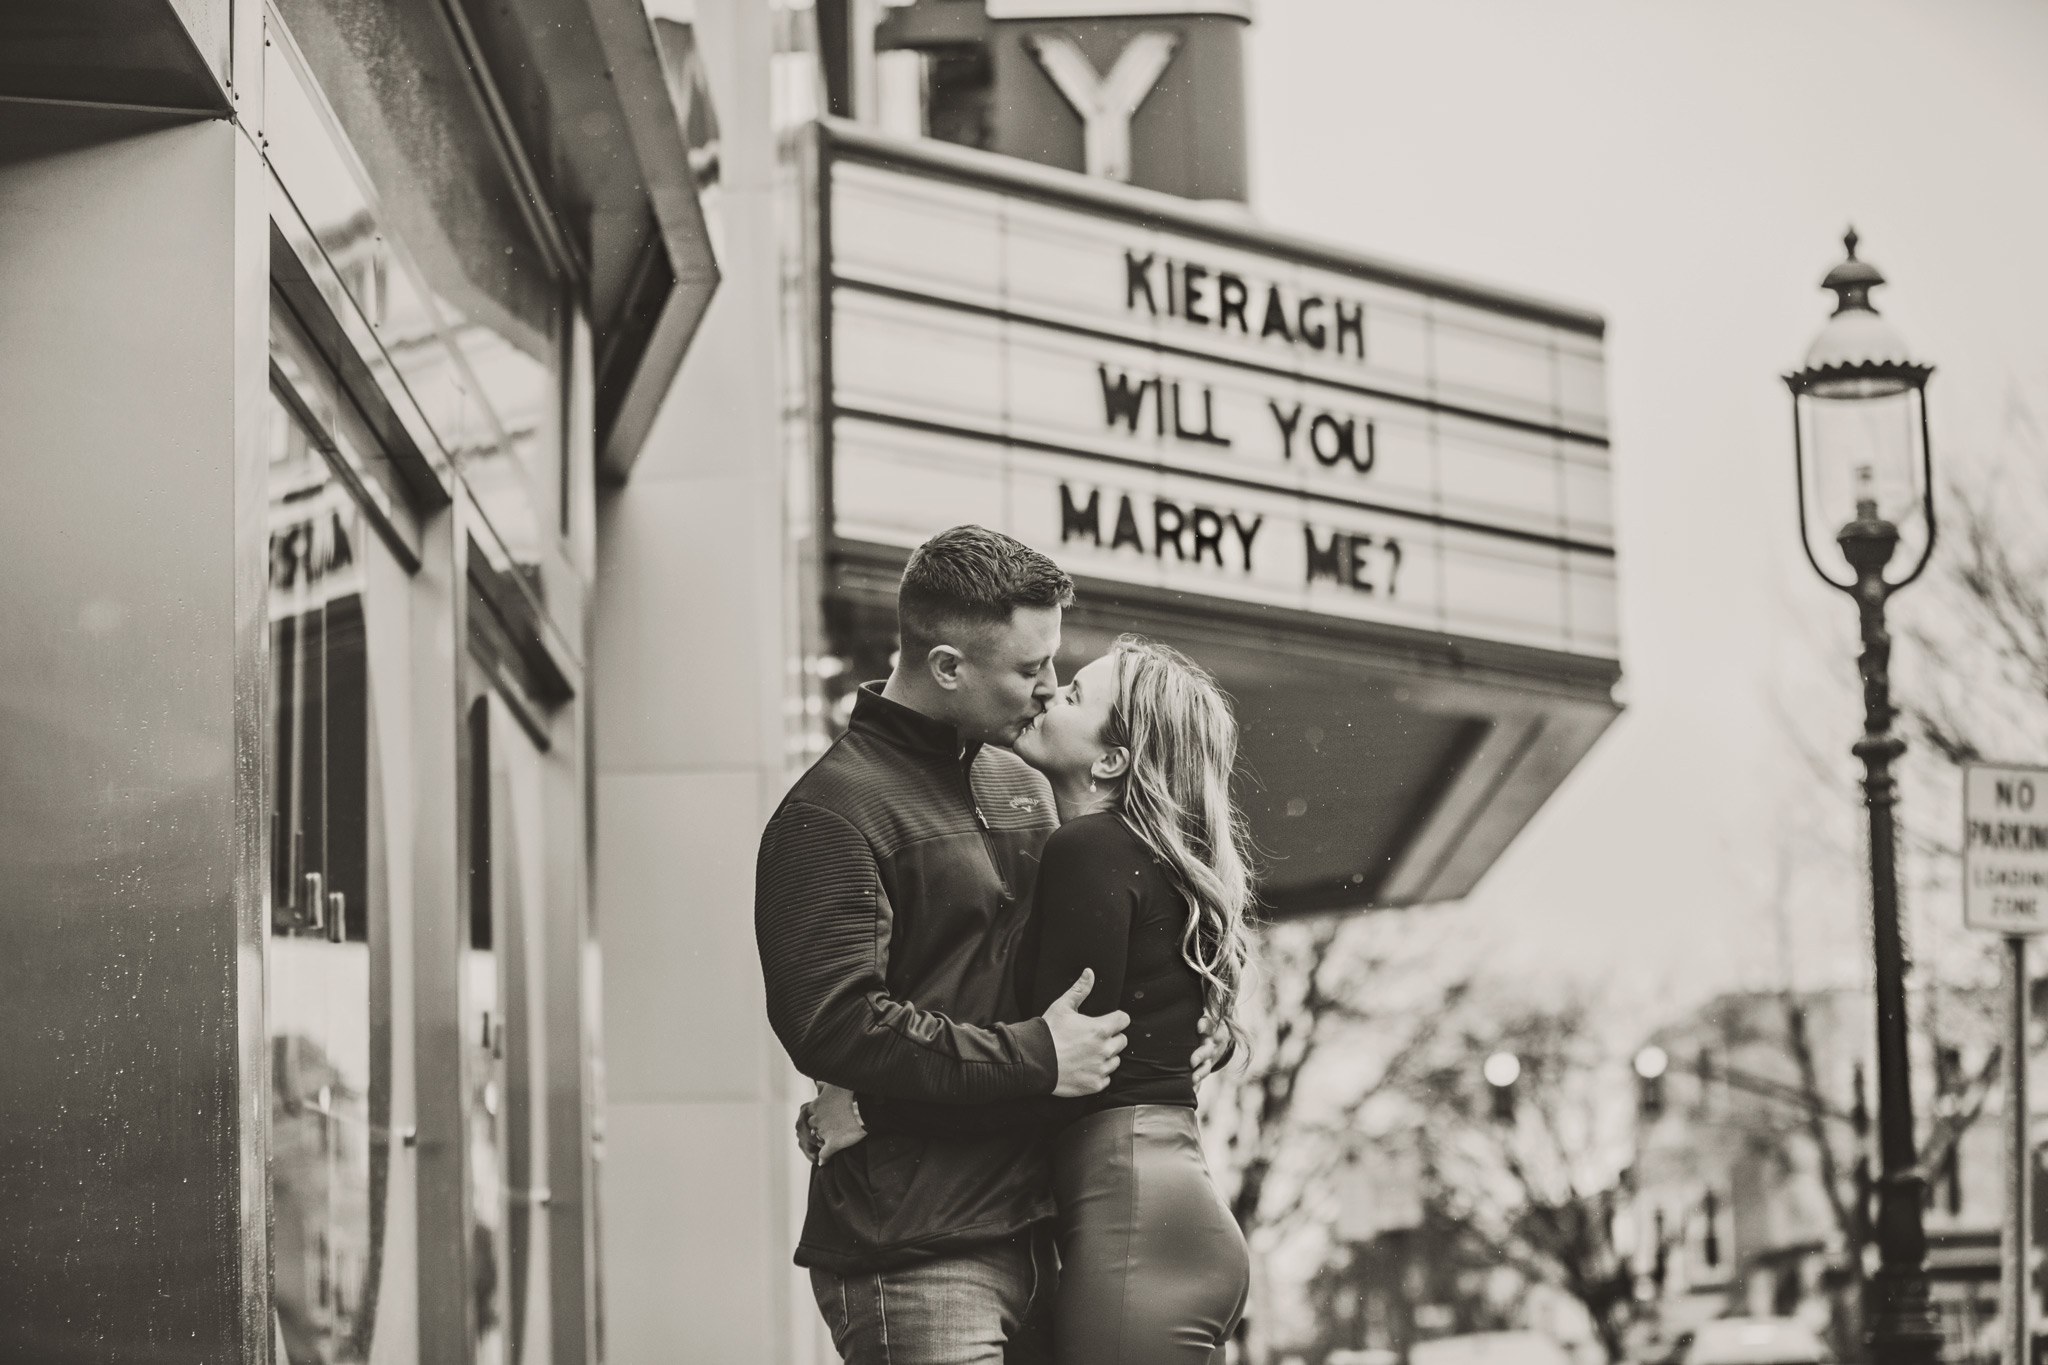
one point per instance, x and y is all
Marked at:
(944, 661)
(1113, 764)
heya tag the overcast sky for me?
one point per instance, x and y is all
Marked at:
(1687, 169)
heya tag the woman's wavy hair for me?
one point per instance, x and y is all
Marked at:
(1182, 737)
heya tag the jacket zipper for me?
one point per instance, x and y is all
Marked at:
(988, 840)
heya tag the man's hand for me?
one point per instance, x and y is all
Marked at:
(1087, 1047)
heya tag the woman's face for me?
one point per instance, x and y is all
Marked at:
(1066, 739)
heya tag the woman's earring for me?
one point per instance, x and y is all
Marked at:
(1091, 784)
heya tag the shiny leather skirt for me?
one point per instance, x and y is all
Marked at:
(1153, 1269)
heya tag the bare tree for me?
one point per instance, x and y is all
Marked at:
(1341, 1009)
(1844, 1175)
(1539, 1170)
(1324, 982)
(1823, 1105)
(1982, 687)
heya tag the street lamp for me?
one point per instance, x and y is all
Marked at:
(1650, 1065)
(1501, 1071)
(1861, 453)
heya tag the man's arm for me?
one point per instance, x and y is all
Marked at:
(1084, 920)
(1087, 1048)
(822, 926)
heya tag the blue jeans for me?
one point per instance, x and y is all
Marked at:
(991, 1305)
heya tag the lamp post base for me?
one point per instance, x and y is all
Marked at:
(1900, 1326)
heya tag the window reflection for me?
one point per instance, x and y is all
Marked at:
(467, 308)
(306, 386)
(329, 1094)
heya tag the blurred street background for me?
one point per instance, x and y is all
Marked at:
(1699, 886)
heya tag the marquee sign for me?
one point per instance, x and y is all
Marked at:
(1161, 398)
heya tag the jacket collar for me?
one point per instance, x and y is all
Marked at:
(897, 724)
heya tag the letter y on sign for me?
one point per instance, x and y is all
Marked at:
(1106, 104)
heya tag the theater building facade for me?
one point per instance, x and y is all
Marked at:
(459, 458)
(323, 321)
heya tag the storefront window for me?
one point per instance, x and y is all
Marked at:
(400, 188)
(330, 1078)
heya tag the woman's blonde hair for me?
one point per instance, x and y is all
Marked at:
(1177, 724)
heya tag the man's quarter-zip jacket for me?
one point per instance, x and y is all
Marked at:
(890, 906)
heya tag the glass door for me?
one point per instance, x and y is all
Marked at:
(505, 1066)
(337, 613)
(483, 1063)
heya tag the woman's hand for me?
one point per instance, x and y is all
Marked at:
(828, 1125)
(806, 1136)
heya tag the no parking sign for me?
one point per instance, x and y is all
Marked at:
(2005, 891)
(2005, 848)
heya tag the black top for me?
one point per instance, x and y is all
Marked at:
(891, 906)
(1101, 902)
(1104, 903)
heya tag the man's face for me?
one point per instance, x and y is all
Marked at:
(1006, 676)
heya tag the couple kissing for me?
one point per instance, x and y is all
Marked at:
(996, 921)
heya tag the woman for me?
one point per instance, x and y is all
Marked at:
(1145, 884)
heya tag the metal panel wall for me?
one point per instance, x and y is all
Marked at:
(698, 1178)
(132, 298)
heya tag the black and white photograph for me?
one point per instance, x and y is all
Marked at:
(1023, 682)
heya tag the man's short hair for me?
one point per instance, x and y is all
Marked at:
(969, 578)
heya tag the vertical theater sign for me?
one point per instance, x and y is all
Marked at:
(1373, 500)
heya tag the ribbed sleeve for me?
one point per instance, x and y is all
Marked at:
(1086, 891)
(1102, 903)
(822, 925)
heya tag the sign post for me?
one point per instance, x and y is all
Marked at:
(2005, 891)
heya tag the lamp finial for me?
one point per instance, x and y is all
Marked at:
(1853, 279)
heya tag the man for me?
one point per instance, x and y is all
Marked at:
(891, 895)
